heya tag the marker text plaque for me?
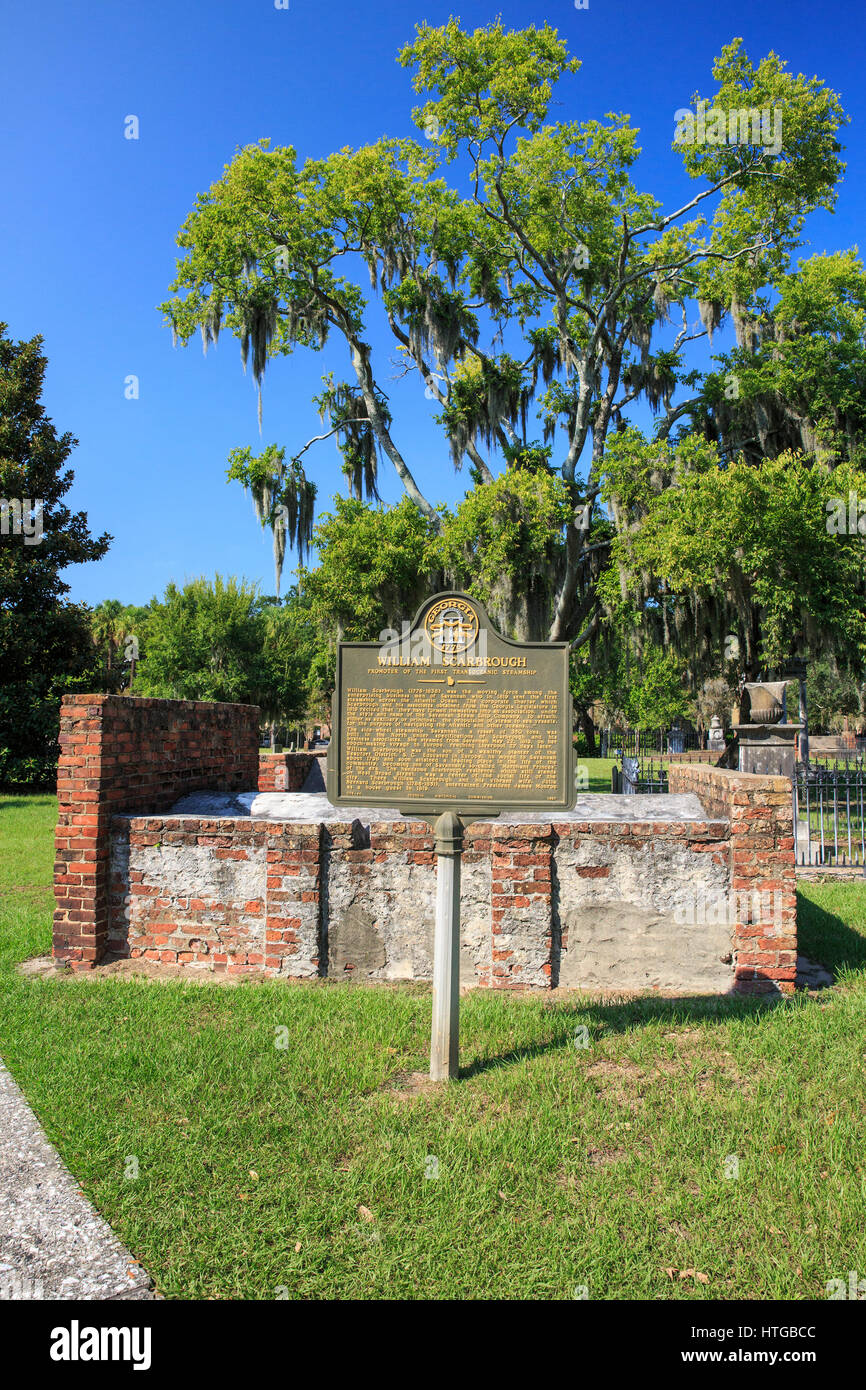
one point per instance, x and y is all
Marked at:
(450, 715)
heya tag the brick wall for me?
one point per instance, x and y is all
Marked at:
(631, 900)
(590, 904)
(285, 772)
(695, 755)
(581, 904)
(762, 862)
(232, 896)
(521, 921)
(119, 753)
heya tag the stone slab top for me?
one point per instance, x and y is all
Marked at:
(599, 807)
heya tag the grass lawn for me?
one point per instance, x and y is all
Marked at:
(696, 1149)
(597, 773)
(598, 769)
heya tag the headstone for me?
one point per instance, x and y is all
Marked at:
(676, 739)
(716, 735)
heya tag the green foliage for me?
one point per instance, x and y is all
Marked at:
(743, 549)
(345, 410)
(373, 570)
(510, 528)
(552, 249)
(205, 642)
(108, 629)
(487, 82)
(769, 190)
(534, 457)
(482, 401)
(282, 496)
(658, 695)
(832, 695)
(797, 378)
(119, 636)
(211, 640)
(293, 651)
(45, 640)
(30, 709)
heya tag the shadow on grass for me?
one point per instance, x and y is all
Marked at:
(824, 935)
(11, 797)
(619, 1016)
(831, 930)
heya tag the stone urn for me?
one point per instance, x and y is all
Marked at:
(762, 702)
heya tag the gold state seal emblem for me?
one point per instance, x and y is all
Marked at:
(452, 626)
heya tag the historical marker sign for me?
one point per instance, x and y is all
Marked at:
(451, 716)
(450, 721)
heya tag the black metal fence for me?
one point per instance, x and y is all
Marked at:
(642, 777)
(634, 743)
(829, 803)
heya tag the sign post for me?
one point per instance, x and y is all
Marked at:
(444, 1039)
(451, 722)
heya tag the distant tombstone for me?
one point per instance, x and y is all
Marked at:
(676, 740)
(716, 735)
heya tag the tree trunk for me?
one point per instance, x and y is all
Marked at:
(588, 729)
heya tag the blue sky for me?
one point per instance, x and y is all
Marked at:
(89, 219)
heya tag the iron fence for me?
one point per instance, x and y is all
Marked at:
(639, 776)
(829, 803)
(631, 743)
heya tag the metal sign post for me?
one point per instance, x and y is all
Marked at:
(444, 1039)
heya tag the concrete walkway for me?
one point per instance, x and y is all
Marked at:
(53, 1245)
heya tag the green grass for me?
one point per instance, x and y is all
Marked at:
(597, 772)
(26, 841)
(598, 769)
(559, 1165)
(831, 918)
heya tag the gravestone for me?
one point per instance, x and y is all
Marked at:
(676, 739)
(767, 743)
(630, 775)
(716, 735)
